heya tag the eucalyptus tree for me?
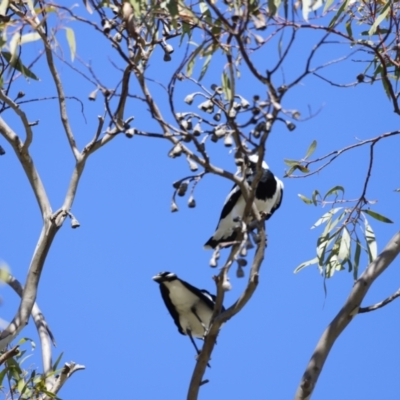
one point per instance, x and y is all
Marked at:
(230, 37)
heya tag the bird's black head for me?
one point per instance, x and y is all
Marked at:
(164, 277)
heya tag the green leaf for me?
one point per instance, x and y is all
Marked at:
(186, 30)
(327, 216)
(2, 374)
(172, 6)
(357, 259)
(290, 172)
(381, 32)
(377, 216)
(23, 340)
(348, 28)
(13, 46)
(190, 65)
(335, 191)
(380, 18)
(314, 197)
(203, 7)
(327, 5)
(55, 365)
(339, 12)
(305, 199)
(19, 66)
(273, 6)
(136, 7)
(205, 66)
(71, 42)
(226, 86)
(332, 224)
(291, 163)
(306, 264)
(371, 241)
(311, 149)
(21, 385)
(323, 243)
(305, 170)
(344, 249)
(385, 83)
(29, 37)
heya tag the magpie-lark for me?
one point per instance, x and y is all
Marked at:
(268, 198)
(190, 307)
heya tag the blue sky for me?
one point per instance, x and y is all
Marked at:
(96, 290)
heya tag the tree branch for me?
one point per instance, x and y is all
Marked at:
(66, 373)
(27, 164)
(380, 304)
(345, 316)
(211, 337)
(45, 334)
(8, 354)
(22, 116)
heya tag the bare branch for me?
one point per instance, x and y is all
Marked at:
(38, 26)
(381, 304)
(211, 337)
(336, 153)
(22, 116)
(43, 329)
(68, 370)
(345, 316)
(28, 166)
(21, 318)
(8, 354)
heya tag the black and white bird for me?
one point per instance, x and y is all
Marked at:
(190, 307)
(268, 198)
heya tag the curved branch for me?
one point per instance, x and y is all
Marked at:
(28, 166)
(345, 316)
(43, 329)
(22, 116)
(28, 299)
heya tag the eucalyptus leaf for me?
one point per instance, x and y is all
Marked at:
(311, 149)
(305, 199)
(326, 217)
(378, 217)
(334, 190)
(306, 264)
(371, 241)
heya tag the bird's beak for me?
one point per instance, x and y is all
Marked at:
(156, 278)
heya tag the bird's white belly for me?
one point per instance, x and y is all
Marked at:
(184, 301)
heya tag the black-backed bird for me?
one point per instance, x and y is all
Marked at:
(268, 198)
(191, 308)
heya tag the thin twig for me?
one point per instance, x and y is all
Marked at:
(380, 304)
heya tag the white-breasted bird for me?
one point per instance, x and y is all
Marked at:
(191, 308)
(268, 198)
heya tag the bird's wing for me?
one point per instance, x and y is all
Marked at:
(278, 199)
(212, 297)
(200, 294)
(230, 201)
(168, 303)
